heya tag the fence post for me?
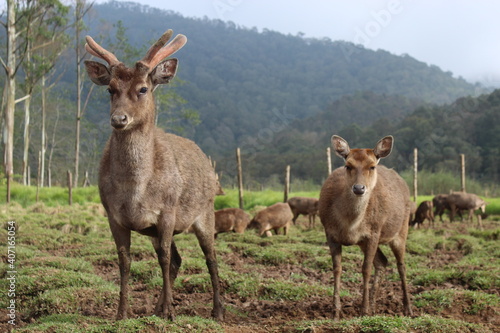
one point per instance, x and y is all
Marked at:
(38, 176)
(462, 162)
(240, 177)
(329, 160)
(70, 189)
(287, 183)
(415, 174)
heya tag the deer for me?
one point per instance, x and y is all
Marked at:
(274, 217)
(231, 219)
(152, 182)
(304, 206)
(423, 212)
(365, 204)
(466, 201)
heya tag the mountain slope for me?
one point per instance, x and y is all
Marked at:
(237, 77)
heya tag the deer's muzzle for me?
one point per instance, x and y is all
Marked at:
(359, 189)
(119, 121)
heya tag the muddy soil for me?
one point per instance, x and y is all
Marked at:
(278, 315)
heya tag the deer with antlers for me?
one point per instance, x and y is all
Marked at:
(152, 182)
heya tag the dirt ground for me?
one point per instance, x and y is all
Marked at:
(275, 316)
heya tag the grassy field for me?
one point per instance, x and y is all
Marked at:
(57, 196)
(66, 276)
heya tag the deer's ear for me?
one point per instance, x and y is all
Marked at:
(340, 146)
(164, 72)
(383, 147)
(98, 73)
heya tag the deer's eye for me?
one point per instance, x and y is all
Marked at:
(143, 90)
(348, 167)
(372, 168)
(111, 91)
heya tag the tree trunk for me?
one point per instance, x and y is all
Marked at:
(44, 145)
(10, 69)
(52, 146)
(78, 93)
(26, 136)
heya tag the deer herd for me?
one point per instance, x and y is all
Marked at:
(160, 184)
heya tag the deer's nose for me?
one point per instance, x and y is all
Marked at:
(359, 189)
(119, 121)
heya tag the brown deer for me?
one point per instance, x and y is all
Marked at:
(155, 183)
(304, 206)
(365, 204)
(274, 217)
(466, 201)
(231, 219)
(423, 212)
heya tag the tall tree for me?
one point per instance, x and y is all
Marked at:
(10, 66)
(44, 24)
(82, 7)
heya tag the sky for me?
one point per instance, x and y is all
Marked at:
(458, 36)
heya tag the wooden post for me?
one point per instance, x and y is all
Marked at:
(462, 162)
(38, 176)
(287, 183)
(329, 160)
(415, 172)
(86, 181)
(240, 177)
(9, 178)
(70, 189)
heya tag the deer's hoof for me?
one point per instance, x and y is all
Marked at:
(218, 314)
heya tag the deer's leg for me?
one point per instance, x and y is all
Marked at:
(286, 227)
(452, 212)
(336, 253)
(163, 245)
(175, 264)
(380, 262)
(206, 240)
(398, 247)
(122, 241)
(370, 250)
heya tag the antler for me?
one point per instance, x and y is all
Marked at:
(97, 50)
(160, 51)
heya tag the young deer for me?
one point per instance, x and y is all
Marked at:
(365, 204)
(155, 183)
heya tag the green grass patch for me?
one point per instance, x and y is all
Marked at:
(62, 323)
(386, 324)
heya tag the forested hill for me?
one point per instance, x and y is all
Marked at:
(469, 125)
(239, 78)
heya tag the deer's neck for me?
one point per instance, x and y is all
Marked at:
(357, 206)
(133, 153)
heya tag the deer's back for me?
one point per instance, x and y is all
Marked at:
(465, 200)
(277, 214)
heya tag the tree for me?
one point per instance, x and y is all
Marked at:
(44, 26)
(11, 67)
(82, 7)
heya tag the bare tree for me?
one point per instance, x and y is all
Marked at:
(82, 7)
(44, 26)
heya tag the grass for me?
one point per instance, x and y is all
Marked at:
(61, 252)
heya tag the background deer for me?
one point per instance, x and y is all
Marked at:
(365, 204)
(155, 183)
(304, 206)
(231, 219)
(423, 212)
(274, 217)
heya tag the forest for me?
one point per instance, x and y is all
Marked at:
(270, 94)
